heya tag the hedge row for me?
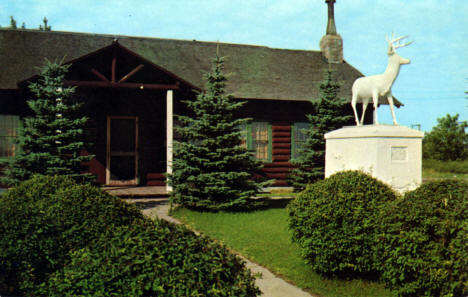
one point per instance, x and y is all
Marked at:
(352, 225)
(44, 218)
(65, 239)
(423, 248)
(146, 261)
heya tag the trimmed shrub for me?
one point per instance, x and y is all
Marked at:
(334, 221)
(44, 218)
(37, 188)
(424, 243)
(158, 259)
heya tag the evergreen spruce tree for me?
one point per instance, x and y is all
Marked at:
(45, 27)
(328, 115)
(12, 23)
(211, 169)
(52, 139)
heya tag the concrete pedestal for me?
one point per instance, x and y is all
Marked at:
(392, 154)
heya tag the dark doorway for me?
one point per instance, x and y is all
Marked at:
(122, 150)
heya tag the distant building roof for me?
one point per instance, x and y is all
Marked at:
(257, 72)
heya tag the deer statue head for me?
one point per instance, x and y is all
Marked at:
(395, 43)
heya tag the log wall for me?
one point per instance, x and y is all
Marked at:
(280, 167)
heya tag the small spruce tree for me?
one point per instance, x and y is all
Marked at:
(328, 115)
(52, 139)
(12, 23)
(211, 169)
(45, 27)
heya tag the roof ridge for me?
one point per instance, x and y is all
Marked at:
(117, 36)
(261, 72)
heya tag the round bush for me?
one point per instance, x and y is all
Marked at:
(335, 222)
(44, 218)
(157, 259)
(424, 243)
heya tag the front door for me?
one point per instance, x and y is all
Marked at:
(122, 150)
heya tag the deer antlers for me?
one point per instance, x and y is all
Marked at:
(395, 43)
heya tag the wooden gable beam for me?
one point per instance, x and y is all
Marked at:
(99, 74)
(131, 73)
(114, 62)
(108, 84)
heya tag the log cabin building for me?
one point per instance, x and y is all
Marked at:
(133, 86)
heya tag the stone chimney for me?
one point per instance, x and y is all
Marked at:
(331, 44)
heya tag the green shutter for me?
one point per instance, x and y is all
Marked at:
(249, 136)
(270, 143)
(295, 140)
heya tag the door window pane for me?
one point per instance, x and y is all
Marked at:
(123, 135)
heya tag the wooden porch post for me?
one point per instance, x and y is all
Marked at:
(169, 135)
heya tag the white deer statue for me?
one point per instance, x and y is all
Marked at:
(368, 87)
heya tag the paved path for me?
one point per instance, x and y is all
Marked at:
(269, 284)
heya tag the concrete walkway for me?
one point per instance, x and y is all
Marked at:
(269, 284)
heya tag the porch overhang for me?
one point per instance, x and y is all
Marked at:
(109, 84)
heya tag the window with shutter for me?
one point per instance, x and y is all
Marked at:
(257, 138)
(9, 125)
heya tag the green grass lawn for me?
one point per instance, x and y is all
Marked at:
(431, 174)
(263, 237)
(435, 169)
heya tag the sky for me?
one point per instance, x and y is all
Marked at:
(432, 86)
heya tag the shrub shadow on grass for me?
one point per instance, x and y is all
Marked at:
(147, 203)
(252, 205)
(268, 203)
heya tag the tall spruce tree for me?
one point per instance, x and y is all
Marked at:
(211, 169)
(328, 115)
(12, 23)
(46, 27)
(52, 139)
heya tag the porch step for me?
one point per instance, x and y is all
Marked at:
(138, 192)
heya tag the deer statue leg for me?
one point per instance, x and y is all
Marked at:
(390, 102)
(365, 102)
(375, 99)
(353, 104)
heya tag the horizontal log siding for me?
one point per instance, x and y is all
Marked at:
(278, 169)
(281, 153)
(155, 179)
(281, 134)
(281, 145)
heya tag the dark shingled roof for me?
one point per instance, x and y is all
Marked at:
(257, 72)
